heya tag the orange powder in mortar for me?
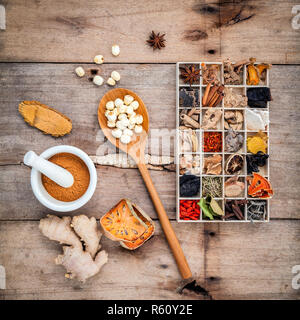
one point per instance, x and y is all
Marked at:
(80, 173)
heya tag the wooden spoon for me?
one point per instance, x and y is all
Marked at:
(136, 149)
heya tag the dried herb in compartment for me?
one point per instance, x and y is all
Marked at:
(258, 97)
(189, 98)
(189, 185)
(257, 210)
(256, 160)
(234, 209)
(190, 74)
(212, 186)
(213, 142)
(233, 141)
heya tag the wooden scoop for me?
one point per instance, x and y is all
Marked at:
(136, 149)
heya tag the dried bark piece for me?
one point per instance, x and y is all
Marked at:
(44, 118)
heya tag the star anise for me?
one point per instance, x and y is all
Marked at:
(156, 40)
(190, 74)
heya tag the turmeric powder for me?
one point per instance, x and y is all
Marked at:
(80, 173)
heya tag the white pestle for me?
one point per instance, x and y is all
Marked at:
(54, 172)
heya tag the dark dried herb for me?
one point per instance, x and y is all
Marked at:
(189, 185)
(258, 97)
(190, 74)
(256, 160)
(188, 98)
(234, 209)
(257, 210)
(156, 40)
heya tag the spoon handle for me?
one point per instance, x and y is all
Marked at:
(166, 225)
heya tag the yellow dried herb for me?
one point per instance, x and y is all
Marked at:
(257, 143)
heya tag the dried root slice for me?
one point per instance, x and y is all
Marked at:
(122, 223)
(146, 235)
(44, 118)
(59, 229)
(79, 264)
(88, 231)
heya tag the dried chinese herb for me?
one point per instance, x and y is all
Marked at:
(189, 185)
(256, 160)
(258, 97)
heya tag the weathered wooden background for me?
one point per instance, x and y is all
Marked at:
(43, 43)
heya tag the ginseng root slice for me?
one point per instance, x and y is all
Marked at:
(44, 118)
(122, 223)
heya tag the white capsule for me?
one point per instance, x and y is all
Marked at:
(129, 110)
(111, 124)
(111, 81)
(128, 132)
(120, 125)
(99, 59)
(116, 133)
(110, 105)
(138, 129)
(111, 116)
(116, 75)
(98, 80)
(139, 119)
(128, 99)
(134, 105)
(80, 72)
(122, 116)
(131, 126)
(118, 102)
(115, 50)
(106, 113)
(125, 139)
(122, 109)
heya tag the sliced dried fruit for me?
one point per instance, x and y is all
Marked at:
(44, 118)
(234, 164)
(146, 235)
(122, 223)
(259, 187)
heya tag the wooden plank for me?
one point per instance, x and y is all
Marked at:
(259, 267)
(113, 185)
(54, 84)
(64, 31)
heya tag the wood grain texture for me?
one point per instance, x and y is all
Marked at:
(63, 31)
(227, 267)
(57, 86)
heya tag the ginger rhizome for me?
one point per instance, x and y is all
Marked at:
(81, 239)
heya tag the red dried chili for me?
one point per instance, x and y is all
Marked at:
(189, 210)
(212, 141)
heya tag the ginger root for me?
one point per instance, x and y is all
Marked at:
(59, 229)
(79, 263)
(89, 233)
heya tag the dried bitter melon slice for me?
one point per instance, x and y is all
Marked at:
(44, 118)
